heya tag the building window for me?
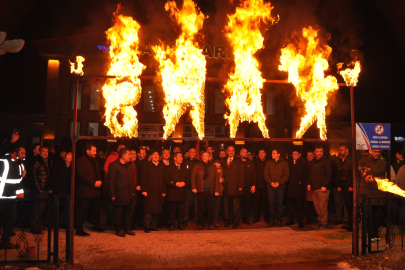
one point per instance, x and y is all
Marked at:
(270, 110)
(93, 129)
(79, 97)
(77, 129)
(149, 99)
(94, 98)
(219, 101)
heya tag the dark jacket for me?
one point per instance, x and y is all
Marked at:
(87, 173)
(374, 168)
(152, 183)
(172, 176)
(345, 175)
(197, 178)
(259, 169)
(61, 177)
(276, 172)
(11, 172)
(121, 183)
(189, 163)
(298, 178)
(321, 174)
(397, 164)
(41, 175)
(249, 173)
(139, 164)
(233, 177)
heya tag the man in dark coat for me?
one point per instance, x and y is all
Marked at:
(276, 174)
(138, 211)
(176, 178)
(88, 184)
(42, 183)
(296, 188)
(319, 181)
(309, 202)
(205, 183)
(121, 187)
(153, 189)
(191, 197)
(61, 175)
(345, 184)
(249, 186)
(260, 196)
(233, 186)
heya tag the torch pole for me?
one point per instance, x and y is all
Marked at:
(72, 187)
(355, 233)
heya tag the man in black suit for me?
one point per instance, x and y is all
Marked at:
(121, 187)
(176, 178)
(154, 190)
(233, 186)
(88, 183)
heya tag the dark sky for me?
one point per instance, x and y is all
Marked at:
(373, 27)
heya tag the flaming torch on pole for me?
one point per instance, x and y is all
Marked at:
(79, 69)
(245, 82)
(123, 92)
(183, 69)
(306, 63)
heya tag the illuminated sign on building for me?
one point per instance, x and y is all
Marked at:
(215, 52)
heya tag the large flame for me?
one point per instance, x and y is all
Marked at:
(350, 75)
(183, 70)
(123, 92)
(79, 70)
(245, 83)
(305, 65)
(387, 186)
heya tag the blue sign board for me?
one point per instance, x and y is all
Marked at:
(373, 136)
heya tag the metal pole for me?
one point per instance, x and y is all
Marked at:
(355, 233)
(72, 187)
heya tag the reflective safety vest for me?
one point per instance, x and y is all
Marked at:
(11, 172)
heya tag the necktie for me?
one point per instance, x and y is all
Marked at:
(178, 166)
(229, 161)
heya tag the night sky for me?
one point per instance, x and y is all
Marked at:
(375, 29)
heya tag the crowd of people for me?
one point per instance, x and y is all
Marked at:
(137, 187)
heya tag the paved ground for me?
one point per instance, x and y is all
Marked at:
(256, 247)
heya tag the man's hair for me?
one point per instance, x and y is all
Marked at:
(34, 146)
(42, 148)
(89, 145)
(222, 150)
(297, 150)
(344, 145)
(277, 150)
(319, 146)
(176, 154)
(142, 148)
(400, 151)
(262, 149)
(216, 160)
(230, 146)
(203, 152)
(16, 149)
(154, 151)
(122, 152)
(310, 151)
(132, 149)
(165, 149)
(118, 145)
(210, 146)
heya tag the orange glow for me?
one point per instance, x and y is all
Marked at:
(387, 186)
(350, 75)
(182, 69)
(306, 63)
(79, 69)
(123, 92)
(245, 82)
